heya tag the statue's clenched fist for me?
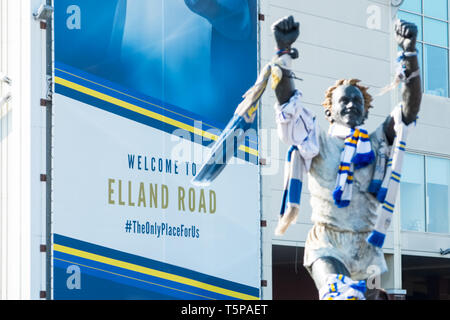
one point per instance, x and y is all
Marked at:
(286, 31)
(406, 35)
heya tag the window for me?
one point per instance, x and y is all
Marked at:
(412, 193)
(431, 17)
(425, 194)
(438, 178)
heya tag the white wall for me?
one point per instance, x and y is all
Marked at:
(22, 157)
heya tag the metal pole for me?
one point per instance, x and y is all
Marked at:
(49, 124)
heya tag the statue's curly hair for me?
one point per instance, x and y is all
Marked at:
(347, 82)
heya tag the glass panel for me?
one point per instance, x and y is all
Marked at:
(436, 8)
(435, 32)
(412, 5)
(419, 47)
(436, 71)
(438, 193)
(412, 18)
(412, 193)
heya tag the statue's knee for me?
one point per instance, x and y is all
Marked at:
(325, 266)
(330, 265)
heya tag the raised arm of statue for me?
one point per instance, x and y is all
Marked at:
(230, 17)
(406, 35)
(285, 31)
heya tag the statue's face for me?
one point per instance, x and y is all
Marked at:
(348, 106)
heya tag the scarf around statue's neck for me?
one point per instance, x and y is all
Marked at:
(356, 154)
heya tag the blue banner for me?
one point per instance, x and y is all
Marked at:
(127, 222)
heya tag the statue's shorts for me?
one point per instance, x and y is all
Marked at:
(361, 259)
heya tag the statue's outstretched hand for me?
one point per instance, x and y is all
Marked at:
(286, 31)
(229, 17)
(406, 35)
(204, 8)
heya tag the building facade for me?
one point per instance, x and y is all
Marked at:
(23, 154)
(355, 39)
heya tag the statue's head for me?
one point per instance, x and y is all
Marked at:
(347, 103)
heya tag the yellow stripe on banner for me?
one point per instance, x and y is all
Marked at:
(122, 275)
(152, 272)
(388, 206)
(343, 168)
(130, 96)
(144, 112)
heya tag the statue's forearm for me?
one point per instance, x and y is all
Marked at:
(285, 31)
(412, 91)
(286, 88)
(411, 96)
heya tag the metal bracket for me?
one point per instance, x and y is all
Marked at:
(5, 99)
(49, 87)
(45, 103)
(44, 12)
(4, 78)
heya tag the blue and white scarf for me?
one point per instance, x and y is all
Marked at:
(293, 181)
(391, 182)
(340, 287)
(357, 153)
(298, 162)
